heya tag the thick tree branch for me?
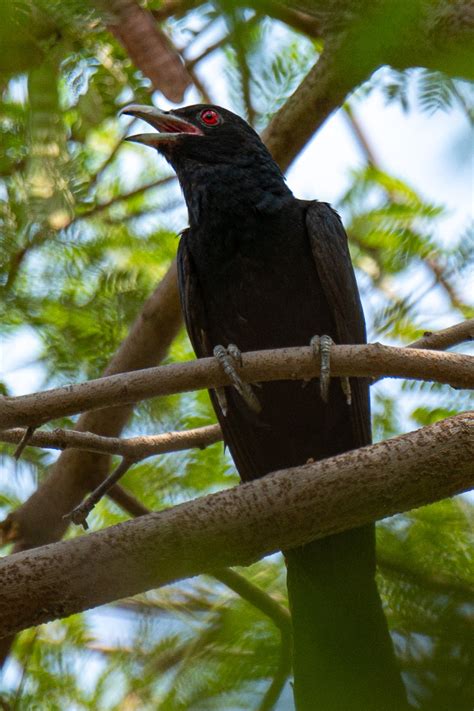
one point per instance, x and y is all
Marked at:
(409, 34)
(371, 360)
(238, 526)
(149, 48)
(147, 446)
(322, 91)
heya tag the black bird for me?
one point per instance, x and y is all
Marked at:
(261, 269)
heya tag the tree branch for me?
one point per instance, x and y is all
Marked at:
(430, 261)
(148, 47)
(101, 206)
(371, 360)
(40, 519)
(135, 448)
(256, 597)
(448, 337)
(322, 91)
(147, 446)
(282, 673)
(239, 525)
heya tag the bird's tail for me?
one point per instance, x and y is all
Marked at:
(343, 654)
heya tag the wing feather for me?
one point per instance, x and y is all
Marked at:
(331, 255)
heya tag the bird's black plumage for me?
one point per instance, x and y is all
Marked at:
(261, 269)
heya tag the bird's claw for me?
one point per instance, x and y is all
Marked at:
(321, 346)
(229, 359)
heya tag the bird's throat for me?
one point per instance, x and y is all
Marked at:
(231, 192)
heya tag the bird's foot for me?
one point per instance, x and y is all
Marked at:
(321, 346)
(229, 359)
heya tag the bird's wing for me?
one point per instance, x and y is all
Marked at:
(195, 318)
(330, 250)
(192, 303)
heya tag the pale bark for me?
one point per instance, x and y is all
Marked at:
(133, 448)
(448, 337)
(238, 526)
(147, 446)
(373, 360)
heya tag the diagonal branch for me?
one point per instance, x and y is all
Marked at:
(430, 261)
(448, 337)
(40, 519)
(148, 47)
(239, 525)
(256, 597)
(101, 206)
(322, 91)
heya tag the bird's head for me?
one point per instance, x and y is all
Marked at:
(212, 151)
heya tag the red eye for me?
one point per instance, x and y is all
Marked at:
(210, 117)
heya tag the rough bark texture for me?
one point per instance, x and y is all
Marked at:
(237, 526)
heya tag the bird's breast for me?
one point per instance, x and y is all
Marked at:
(259, 282)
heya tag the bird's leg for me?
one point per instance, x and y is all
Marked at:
(321, 346)
(230, 358)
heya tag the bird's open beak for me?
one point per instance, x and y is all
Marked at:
(171, 127)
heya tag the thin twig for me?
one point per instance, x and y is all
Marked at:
(100, 207)
(80, 513)
(127, 502)
(24, 441)
(136, 448)
(206, 97)
(191, 63)
(256, 597)
(134, 451)
(430, 261)
(281, 675)
(24, 670)
(447, 338)
(115, 149)
(441, 278)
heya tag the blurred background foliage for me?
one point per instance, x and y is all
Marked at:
(88, 226)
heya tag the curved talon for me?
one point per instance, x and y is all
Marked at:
(235, 353)
(346, 389)
(321, 346)
(229, 358)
